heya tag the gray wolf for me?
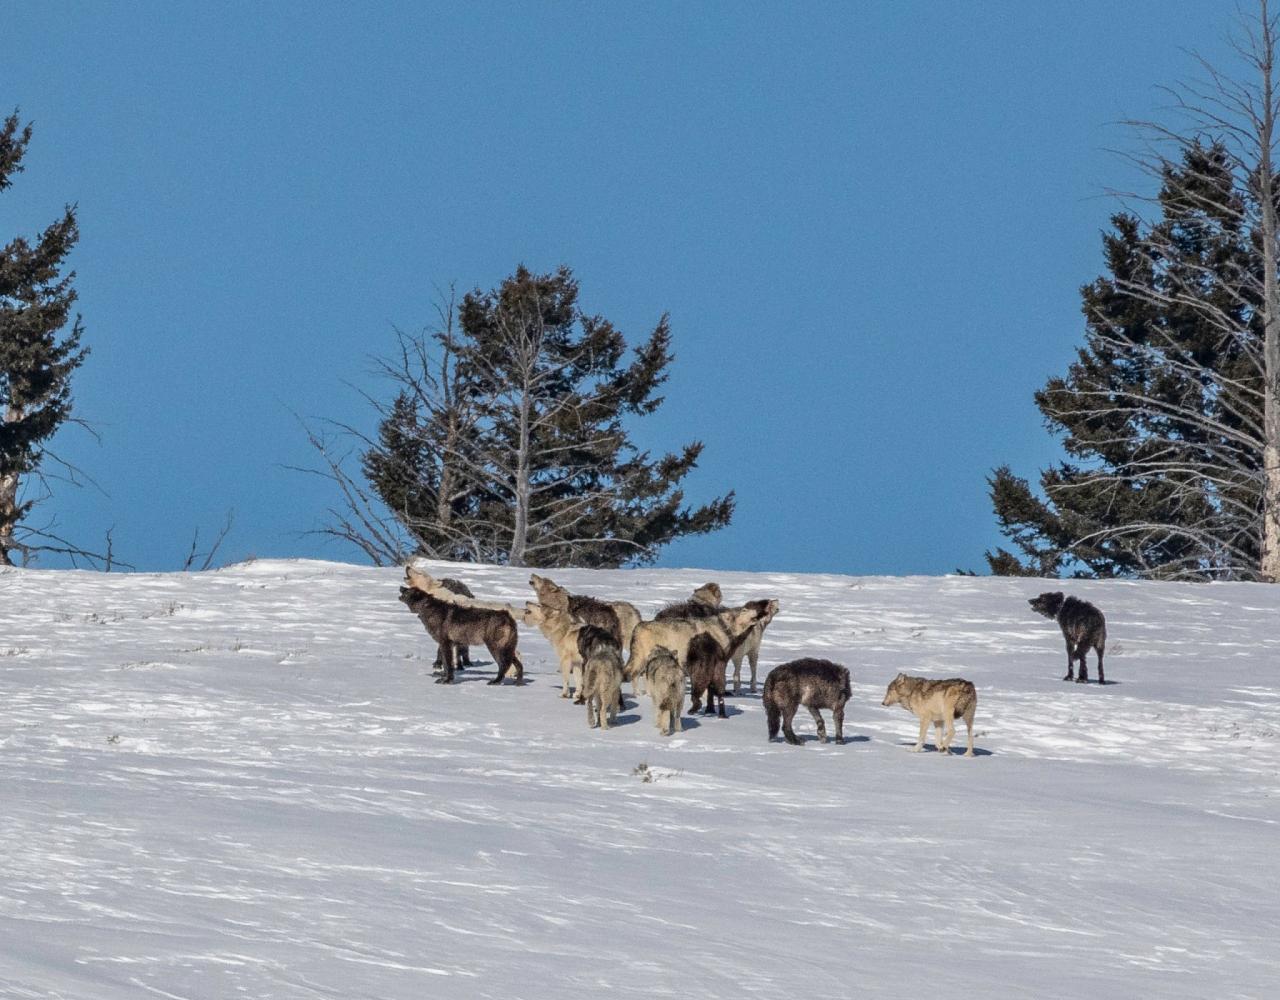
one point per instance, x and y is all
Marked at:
(602, 684)
(813, 683)
(664, 680)
(939, 702)
(455, 625)
(1083, 627)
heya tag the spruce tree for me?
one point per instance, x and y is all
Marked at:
(533, 439)
(1161, 412)
(37, 353)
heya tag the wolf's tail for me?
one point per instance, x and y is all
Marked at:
(772, 711)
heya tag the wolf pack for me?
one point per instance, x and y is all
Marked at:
(688, 647)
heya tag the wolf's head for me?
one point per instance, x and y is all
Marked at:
(897, 690)
(534, 613)
(708, 593)
(1048, 604)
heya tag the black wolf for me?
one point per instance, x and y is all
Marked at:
(453, 625)
(464, 656)
(812, 683)
(1083, 628)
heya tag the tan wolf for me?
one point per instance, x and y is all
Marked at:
(707, 600)
(675, 634)
(939, 702)
(561, 630)
(617, 617)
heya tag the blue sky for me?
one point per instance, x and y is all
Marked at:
(869, 223)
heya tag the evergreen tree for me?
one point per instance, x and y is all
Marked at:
(527, 429)
(37, 354)
(1161, 412)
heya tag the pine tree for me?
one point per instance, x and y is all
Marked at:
(531, 437)
(37, 354)
(1161, 412)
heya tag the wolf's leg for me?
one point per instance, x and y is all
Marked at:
(753, 656)
(817, 721)
(1071, 662)
(924, 729)
(837, 717)
(1082, 675)
(1102, 678)
(593, 719)
(500, 656)
(565, 668)
(968, 721)
(465, 659)
(737, 673)
(719, 698)
(677, 718)
(576, 672)
(939, 740)
(787, 731)
(447, 676)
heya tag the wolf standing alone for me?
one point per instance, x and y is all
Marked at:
(1083, 627)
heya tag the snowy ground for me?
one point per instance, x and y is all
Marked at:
(244, 784)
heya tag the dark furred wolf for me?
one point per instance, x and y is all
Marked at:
(812, 683)
(464, 656)
(705, 662)
(453, 625)
(1083, 628)
(939, 702)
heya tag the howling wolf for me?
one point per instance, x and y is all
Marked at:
(939, 702)
(1083, 628)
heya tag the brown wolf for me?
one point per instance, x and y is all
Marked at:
(617, 617)
(602, 684)
(706, 660)
(1083, 627)
(464, 655)
(453, 625)
(809, 682)
(939, 702)
(664, 680)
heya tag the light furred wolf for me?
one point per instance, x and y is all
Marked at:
(939, 702)
(567, 636)
(675, 634)
(616, 617)
(706, 601)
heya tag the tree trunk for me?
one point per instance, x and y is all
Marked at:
(520, 533)
(1270, 568)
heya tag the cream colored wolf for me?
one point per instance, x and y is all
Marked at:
(617, 617)
(562, 632)
(707, 600)
(939, 702)
(674, 634)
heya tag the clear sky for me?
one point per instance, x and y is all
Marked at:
(869, 222)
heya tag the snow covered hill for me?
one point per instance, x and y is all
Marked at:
(244, 784)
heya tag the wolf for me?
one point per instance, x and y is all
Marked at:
(809, 682)
(617, 617)
(674, 634)
(939, 702)
(464, 655)
(664, 680)
(602, 684)
(706, 602)
(706, 660)
(453, 625)
(1083, 627)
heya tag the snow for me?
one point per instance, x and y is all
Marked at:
(244, 783)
